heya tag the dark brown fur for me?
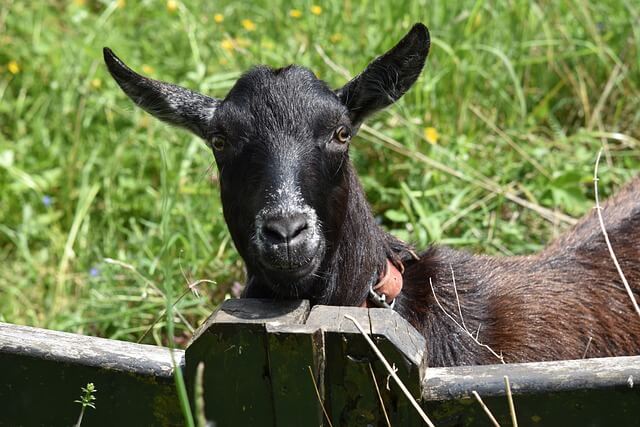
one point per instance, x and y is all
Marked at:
(566, 302)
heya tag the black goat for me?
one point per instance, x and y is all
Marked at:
(299, 218)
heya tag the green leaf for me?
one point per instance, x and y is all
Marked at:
(396, 215)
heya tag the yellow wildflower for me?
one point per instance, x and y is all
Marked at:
(431, 135)
(172, 5)
(227, 44)
(96, 83)
(248, 24)
(144, 121)
(316, 10)
(147, 69)
(477, 21)
(13, 67)
(242, 42)
(79, 2)
(121, 4)
(218, 18)
(335, 38)
(295, 13)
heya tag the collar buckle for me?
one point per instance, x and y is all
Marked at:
(380, 300)
(383, 294)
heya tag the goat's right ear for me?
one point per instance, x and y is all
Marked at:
(173, 104)
(387, 77)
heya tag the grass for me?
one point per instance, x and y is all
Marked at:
(516, 97)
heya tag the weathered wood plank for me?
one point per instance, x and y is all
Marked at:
(587, 407)
(347, 379)
(233, 345)
(332, 319)
(404, 347)
(598, 392)
(261, 311)
(531, 378)
(399, 332)
(350, 390)
(237, 387)
(90, 351)
(296, 360)
(42, 371)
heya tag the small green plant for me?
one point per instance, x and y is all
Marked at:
(86, 400)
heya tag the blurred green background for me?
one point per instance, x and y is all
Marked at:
(106, 214)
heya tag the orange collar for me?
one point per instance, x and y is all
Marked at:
(383, 294)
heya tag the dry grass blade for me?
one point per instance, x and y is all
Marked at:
(606, 238)
(201, 420)
(375, 383)
(190, 288)
(136, 272)
(335, 67)
(486, 409)
(595, 116)
(474, 338)
(483, 182)
(509, 141)
(461, 214)
(82, 211)
(512, 408)
(391, 371)
(315, 386)
(455, 290)
(584, 355)
(153, 286)
(625, 139)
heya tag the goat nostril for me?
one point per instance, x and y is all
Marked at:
(273, 234)
(285, 229)
(297, 226)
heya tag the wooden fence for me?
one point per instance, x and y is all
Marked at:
(285, 364)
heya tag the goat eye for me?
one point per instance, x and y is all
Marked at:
(342, 135)
(217, 144)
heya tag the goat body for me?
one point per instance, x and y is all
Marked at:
(566, 302)
(298, 216)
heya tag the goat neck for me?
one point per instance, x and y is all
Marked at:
(360, 252)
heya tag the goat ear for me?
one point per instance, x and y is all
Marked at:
(170, 103)
(387, 77)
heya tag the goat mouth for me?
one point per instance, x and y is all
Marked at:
(294, 272)
(287, 269)
(291, 268)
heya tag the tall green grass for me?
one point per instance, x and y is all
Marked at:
(520, 96)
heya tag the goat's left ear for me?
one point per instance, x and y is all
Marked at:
(387, 77)
(168, 102)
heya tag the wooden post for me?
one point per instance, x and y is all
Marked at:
(233, 345)
(296, 368)
(275, 363)
(350, 390)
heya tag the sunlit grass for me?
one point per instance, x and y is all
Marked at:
(520, 95)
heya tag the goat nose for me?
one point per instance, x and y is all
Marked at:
(284, 229)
